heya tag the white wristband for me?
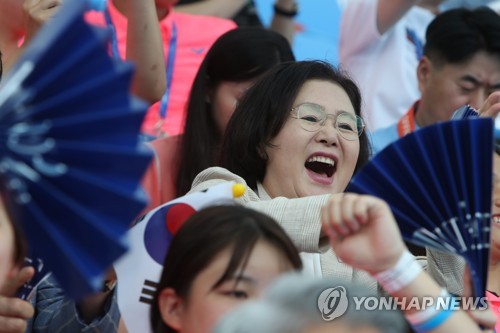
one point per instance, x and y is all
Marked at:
(402, 274)
(422, 316)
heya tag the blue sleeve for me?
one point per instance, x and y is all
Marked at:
(55, 313)
(383, 137)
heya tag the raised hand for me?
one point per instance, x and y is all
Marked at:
(362, 232)
(491, 107)
(15, 312)
(39, 12)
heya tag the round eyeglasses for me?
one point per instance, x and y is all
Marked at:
(312, 118)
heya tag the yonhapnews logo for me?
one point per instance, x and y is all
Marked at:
(332, 303)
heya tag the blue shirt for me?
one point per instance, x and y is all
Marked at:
(55, 313)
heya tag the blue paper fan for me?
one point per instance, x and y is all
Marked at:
(437, 181)
(69, 149)
(465, 112)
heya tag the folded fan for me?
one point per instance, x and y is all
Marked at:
(437, 182)
(69, 149)
(465, 112)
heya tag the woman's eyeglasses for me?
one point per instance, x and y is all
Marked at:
(312, 118)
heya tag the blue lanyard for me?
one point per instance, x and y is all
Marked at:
(169, 64)
(113, 36)
(419, 45)
(172, 50)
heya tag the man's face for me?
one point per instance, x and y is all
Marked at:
(446, 87)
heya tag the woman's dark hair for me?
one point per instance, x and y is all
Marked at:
(239, 55)
(264, 109)
(455, 36)
(208, 233)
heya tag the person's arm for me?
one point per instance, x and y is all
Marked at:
(359, 227)
(299, 217)
(220, 8)
(389, 12)
(458, 321)
(56, 312)
(283, 19)
(15, 312)
(38, 12)
(145, 50)
(377, 17)
(35, 14)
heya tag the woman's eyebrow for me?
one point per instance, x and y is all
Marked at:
(243, 278)
(323, 108)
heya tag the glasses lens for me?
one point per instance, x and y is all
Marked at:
(311, 117)
(349, 126)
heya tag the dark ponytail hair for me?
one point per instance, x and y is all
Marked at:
(239, 55)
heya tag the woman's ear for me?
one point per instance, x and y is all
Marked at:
(171, 308)
(262, 152)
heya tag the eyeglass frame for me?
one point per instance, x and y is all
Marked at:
(323, 122)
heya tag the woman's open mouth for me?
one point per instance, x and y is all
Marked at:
(321, 169)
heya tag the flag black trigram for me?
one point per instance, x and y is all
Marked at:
(148, 292)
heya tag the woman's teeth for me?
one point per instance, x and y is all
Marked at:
(322, 159)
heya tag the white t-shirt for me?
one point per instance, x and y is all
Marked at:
(384, 66)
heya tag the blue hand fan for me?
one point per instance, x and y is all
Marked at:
(437, 181)
(69, 149)
(465, 112)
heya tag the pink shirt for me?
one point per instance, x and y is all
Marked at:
(159, 181)
(195, 35)
(495, 306)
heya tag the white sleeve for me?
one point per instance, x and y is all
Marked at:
(358, 28)
(300, 217)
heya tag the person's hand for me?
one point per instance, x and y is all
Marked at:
(93, 306)
(14, 312)
(491, 106)
(39, 12)
(485, 318)
(363, 232)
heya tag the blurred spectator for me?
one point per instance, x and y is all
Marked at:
(235, 61)
(460, 65)
(383, 52)
(186, 40)
(244, 13)
(234, 254)
(291, 305)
